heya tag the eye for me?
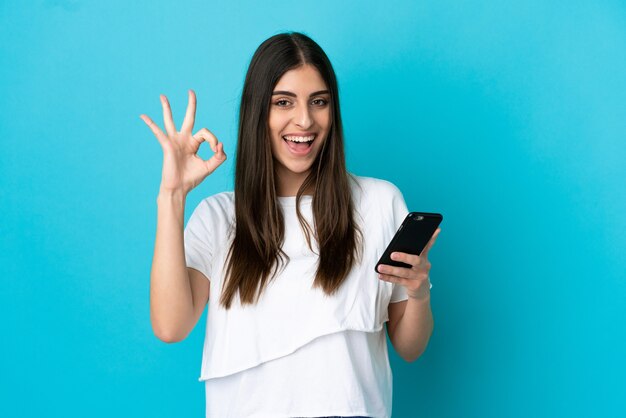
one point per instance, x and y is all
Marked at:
(320, 102)
(281, 102)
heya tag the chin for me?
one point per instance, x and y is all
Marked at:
(299, 168)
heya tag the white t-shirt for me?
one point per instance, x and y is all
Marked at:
(298, 352)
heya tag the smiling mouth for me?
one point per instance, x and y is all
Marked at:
(299, 144)
(300, 140)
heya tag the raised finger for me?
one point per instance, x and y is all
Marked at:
(167, 117)
(430, 243)
(190, 116)
(154, 128)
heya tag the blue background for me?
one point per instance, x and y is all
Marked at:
(507, 117)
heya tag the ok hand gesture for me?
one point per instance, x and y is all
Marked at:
(183, 169)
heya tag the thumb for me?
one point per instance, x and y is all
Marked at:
(217, 159)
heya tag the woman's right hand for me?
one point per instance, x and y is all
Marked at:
(183, 169)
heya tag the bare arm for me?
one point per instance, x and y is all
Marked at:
(178, 294)
(410, 322)
(395, 311)
(413, 327)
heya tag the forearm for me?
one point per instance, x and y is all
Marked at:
(171, 301)
(414, 328)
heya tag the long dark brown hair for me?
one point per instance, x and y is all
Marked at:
(256, 251)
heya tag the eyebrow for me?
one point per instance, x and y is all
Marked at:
(288, 93)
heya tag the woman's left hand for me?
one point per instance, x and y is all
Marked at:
(415, 279)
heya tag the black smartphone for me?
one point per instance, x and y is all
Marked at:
(412, 236)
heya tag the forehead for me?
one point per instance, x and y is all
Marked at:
(303, 79)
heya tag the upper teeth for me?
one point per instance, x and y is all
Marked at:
(300, 138)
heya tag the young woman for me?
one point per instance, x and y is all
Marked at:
(286, 261)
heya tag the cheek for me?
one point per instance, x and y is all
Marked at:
(325, 120)
(273, 121)
(274, 131)
(326, 125)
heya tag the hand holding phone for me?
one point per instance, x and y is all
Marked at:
(412, 236)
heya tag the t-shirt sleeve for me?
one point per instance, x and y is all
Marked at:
(198, 246)
(400, 211)
(398, 294)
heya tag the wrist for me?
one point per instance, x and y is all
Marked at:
(422, 292)
(171, 195)
(419, 296)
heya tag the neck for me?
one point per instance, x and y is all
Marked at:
(288, 185)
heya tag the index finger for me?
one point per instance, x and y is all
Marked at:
(190, 116)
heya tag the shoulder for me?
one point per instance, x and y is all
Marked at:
(222, 203)
(222, 199)
(375, 188)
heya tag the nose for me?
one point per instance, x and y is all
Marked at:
(302, 118)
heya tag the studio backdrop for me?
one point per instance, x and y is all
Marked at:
(509, 118)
